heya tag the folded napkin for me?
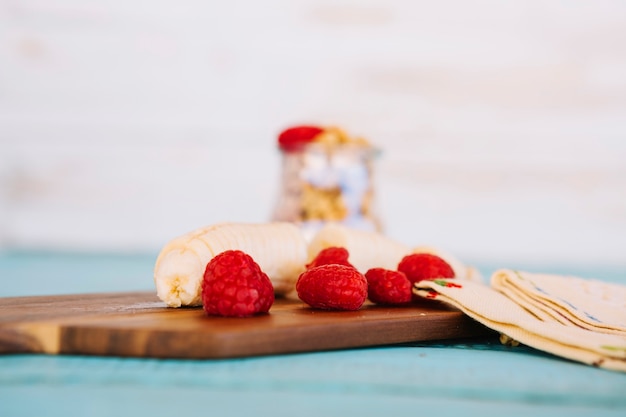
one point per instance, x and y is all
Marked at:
(582, 320)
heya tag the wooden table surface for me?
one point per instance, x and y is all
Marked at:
(476, 376)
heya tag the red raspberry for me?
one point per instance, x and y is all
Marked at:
(332, 287)
(420, 266)
(296, 137)
(235, 286)
(331, 255)
(388, 287)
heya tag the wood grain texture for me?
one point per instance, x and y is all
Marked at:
(139, 325)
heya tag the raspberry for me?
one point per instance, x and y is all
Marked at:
(332, 287)
(421, 266)
(235, 286)
(296, 137)
(388, 287)
(331, 255)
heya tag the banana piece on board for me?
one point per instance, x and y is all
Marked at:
(279, 248)
(460, 269)
(367, 249)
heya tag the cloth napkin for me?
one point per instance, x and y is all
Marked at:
(579, 319)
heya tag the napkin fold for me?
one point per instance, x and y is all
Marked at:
(578, 319)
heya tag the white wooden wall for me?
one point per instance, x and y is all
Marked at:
(503, 123)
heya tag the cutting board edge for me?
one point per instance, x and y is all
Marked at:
(158, 343)
(129, 327)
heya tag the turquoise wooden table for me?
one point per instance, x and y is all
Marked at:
(474, 377)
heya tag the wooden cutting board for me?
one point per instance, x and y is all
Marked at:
(138, 324)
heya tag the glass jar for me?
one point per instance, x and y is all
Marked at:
(322, 183)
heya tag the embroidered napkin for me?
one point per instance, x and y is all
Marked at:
(582, 320)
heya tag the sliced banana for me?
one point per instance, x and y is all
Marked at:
(367, 249)
(279, 248)
(460, 269)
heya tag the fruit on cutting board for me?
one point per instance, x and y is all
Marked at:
(367, 249)
(279, 248)
(235, 286)
(420, 266)
(331, 255)
(461, 270)
(281, 251)
(332, 287)
(385, 286)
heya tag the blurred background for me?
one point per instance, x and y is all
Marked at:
(124, 123)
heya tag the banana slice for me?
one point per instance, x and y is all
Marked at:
(367, 249)
(279, 248)
(460, 269)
